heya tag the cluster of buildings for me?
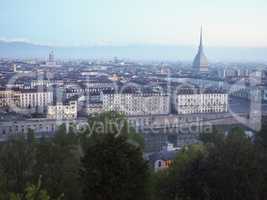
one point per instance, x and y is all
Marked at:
(50, 93)
(144, 107)
(136, 103)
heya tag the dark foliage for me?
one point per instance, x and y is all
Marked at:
(113, 169)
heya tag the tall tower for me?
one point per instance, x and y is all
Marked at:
(51, 57)
(200, 63)
(51, 60)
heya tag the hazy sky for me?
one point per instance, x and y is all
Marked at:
(121, 22)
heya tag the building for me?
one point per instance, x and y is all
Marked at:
(51, 61)
(31, 100)
(62, 111)
(94, 108)
(189, 101)
(135, 103)
(162, 160)
(8, 98)
(200, 63)
(51, 57)
(42, 82)
(42, 127)
(35, 100)
(88, 88)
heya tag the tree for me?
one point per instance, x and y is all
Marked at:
(179, 181)
(33, 192)
(260, 140)
(233, 169)
(58, 160)
(261, 136)
(230, 169)
(160, 185)
(110, 123)
(215, 137)
(16, 162)
(113, 169)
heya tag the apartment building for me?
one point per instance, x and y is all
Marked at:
(62, 111)
(8, 98)
(188, 101)
(134, 103)
(33, 99)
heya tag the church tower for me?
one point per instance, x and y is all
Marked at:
(200, 63)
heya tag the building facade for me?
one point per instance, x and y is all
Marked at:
(42, 127)
(201, 103)
(62, 111)
(35, 100)
(132, 104)
(8, 98)
(94, 108)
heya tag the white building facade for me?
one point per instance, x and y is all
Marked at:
(28, 100)
(62, 111)
(32, 98)
(201, 103)
(132, 104)
(8, 98)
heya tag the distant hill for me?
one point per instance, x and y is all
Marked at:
(22, 50)
(139, 52)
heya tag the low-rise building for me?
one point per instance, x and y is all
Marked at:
(162, 160)
(42, 127)
(62, 111)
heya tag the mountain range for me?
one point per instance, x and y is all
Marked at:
(136, 52)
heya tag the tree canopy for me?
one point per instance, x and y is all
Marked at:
(113, 169)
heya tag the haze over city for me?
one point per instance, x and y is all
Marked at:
(138, 24)
(133, 100)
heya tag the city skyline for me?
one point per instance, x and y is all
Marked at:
(84, 23)
(133, 99)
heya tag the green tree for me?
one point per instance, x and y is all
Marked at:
(113, 169)
(16, 162)
(58, 160)
(261, 148)
(33, 192)
(261, 136)
(230, 169)
(109, 123)
(215, 137)
(233, 169)
(176, 182)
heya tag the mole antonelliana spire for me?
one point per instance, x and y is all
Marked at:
(200, 62)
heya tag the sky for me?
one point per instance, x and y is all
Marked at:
(239, 23)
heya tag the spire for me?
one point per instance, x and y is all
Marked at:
(200, 42)
(200, 62)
